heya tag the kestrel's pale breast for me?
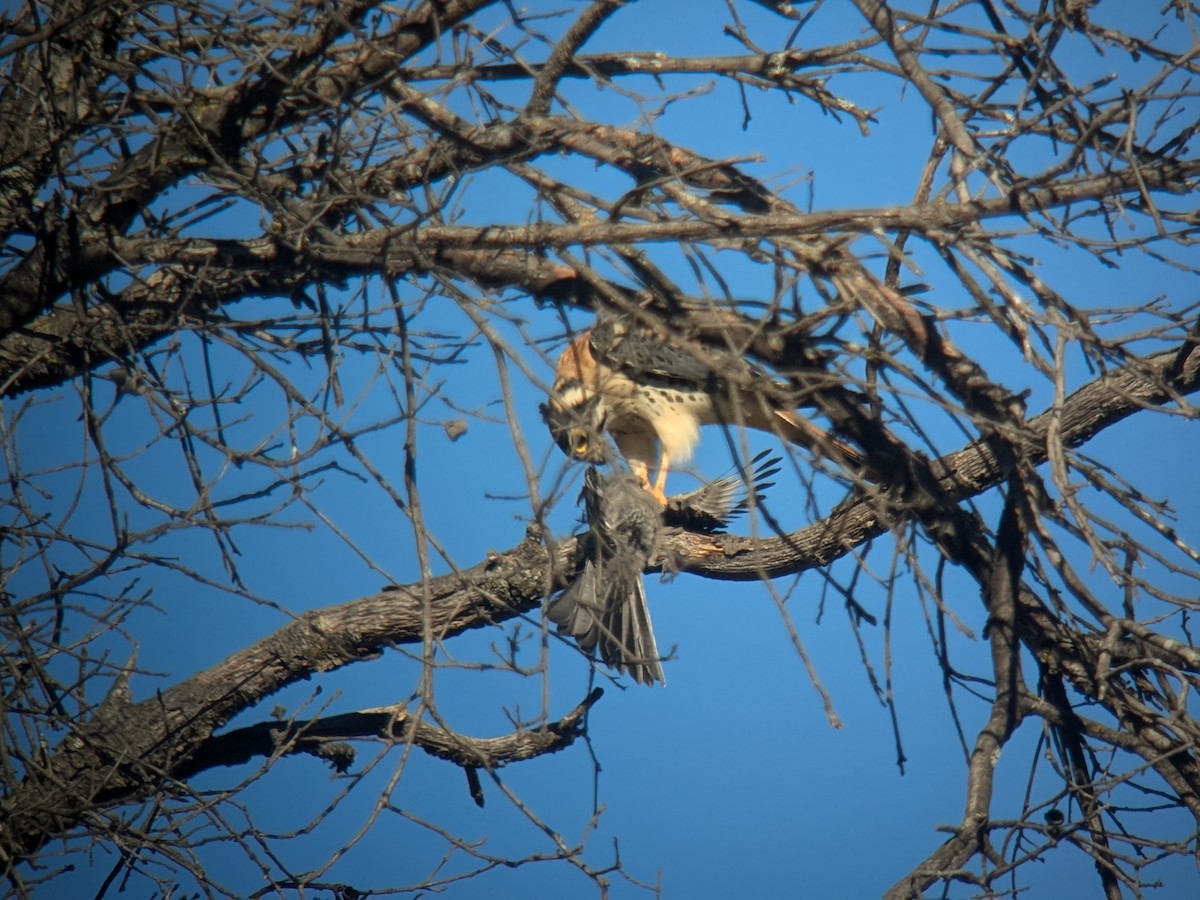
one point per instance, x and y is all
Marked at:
(673, 413)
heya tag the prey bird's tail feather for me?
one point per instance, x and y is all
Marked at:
(606, 613)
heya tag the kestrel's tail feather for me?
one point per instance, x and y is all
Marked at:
(757, 413)
(799, 430)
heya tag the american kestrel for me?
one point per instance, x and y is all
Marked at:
(653, 398)
(604, 606)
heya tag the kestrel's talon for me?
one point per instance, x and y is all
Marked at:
(659, 489)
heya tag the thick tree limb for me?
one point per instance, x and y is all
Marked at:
(327, 739)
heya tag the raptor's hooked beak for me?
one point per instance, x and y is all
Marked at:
(575, 440)
(579, 444)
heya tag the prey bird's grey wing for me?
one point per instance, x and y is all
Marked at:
(714, 505)
(604, 607)
(579, 608)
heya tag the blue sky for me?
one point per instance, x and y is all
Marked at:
(728, 781)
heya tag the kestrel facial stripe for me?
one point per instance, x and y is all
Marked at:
(571, 395)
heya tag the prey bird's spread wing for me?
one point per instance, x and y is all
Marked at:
(712, 506)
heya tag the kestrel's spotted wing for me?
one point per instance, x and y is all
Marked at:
(638, 354)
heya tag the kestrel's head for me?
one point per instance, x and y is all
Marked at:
(576, 422)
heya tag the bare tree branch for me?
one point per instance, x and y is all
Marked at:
(262, 266)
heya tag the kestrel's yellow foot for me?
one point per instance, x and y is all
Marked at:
(659, 488)
(655, 490)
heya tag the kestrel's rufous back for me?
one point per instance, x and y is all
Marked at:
(652, 398)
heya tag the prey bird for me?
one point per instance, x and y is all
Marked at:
(604, 606)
